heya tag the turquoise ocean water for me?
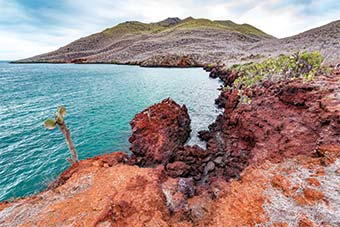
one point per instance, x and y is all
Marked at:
(100, 100)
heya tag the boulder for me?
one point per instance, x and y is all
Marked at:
(158, 131)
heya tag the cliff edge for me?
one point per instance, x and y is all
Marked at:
(274, 161)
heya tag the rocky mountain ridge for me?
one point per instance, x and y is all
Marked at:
(133, 42)
(189, 42)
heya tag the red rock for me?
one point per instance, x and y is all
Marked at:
(330, 152)
(128, 195)
(199, 207)
(306, 222)
(281, 183)
(158, 131)
(177, 168)
(319, 172)
(312, 195)
(301, 200)
(175, 200)
(98, 161)
(120, 195)
(313, 181)
(284, 120)
(280, 225)
(78, 60)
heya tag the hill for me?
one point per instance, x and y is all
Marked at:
(190, 42)
(135, 42)
(324, 39)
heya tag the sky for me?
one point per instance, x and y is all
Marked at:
(31, 27)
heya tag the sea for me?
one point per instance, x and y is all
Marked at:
(100, 100)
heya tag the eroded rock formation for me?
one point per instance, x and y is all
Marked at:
(172, 60)
(273, 162)
(158, 131)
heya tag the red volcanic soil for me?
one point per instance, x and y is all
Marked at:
(273, 162)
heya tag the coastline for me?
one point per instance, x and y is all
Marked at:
(194, 186)
(108, 63)
(170, 82)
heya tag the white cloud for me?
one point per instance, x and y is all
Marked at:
(10, 11)
(13, 47)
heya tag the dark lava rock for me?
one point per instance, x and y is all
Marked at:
(219, 160)
(209, 167)
(187, 187)
(177, 169)
(284, 119)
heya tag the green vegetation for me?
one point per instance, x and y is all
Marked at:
(303, 65)
(135, 27)
(191, 23)
(299, 65)
(115, 62)
(51, 124)
(243, 28)
(211, 65)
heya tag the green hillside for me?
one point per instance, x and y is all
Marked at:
(135, 27)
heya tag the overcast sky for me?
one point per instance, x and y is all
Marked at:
(31, 27)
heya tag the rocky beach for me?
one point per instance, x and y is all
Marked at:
(272, 162)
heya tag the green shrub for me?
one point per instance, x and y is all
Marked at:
(299, 65)
(303, 65)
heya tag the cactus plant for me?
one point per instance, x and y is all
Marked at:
(51, 124)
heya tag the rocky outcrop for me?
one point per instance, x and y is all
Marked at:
(158, 131)
(172, 60)
(284, 120)
(272, 162)
(79, 61)
(281, 194)
(104, 191)
(95, 194)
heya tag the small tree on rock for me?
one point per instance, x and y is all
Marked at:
(51, 124)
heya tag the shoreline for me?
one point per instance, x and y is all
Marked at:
(190, 186)
(107, 63)
(202, 74)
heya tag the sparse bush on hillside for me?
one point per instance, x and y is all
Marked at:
(51, 124)
(299, 65)
(211, 65)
